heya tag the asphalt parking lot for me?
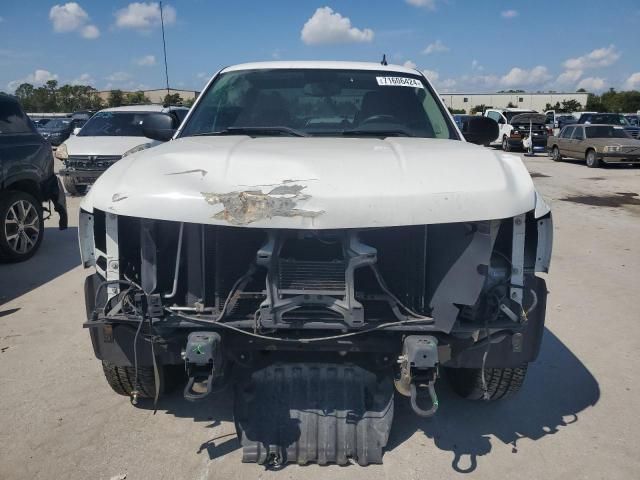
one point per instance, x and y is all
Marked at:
(576, 417)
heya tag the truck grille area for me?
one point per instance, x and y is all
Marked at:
(290, 278)
(91, 162)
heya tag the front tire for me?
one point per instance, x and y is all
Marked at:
(72, 187)
(505, 144)
(122, 379)
(501, 382)
(555, 154)
(21, 226)
(592, 159)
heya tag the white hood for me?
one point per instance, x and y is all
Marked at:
(104, 145)
(315, 183)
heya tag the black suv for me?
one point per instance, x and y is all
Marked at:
(27, 180)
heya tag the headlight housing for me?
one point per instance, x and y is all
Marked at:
(612, 148)
(61, 152)
(133, 150)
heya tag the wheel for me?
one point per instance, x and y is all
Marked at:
(592, 159)
(72, 187)
(501, 382)
(122, 379)
(21, 226)
(505, 144)
(555, 154)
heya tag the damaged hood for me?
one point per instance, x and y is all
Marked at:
(105, 145)
(315, 183)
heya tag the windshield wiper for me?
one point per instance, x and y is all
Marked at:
(395, 132)
(255, 131)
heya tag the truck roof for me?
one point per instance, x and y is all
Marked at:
(320, 65)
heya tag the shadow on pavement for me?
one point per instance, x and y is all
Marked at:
(558, 387)
(58, 254)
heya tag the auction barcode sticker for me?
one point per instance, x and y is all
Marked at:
(399, 82)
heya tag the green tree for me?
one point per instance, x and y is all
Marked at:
(457, 110)
(571, 106)
(511, 105)
(24, 92)
(116, 98)
(173, 99)
(478, 109)
(137, 98)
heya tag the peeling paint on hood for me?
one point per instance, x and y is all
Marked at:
(335, 182)
(241, 208)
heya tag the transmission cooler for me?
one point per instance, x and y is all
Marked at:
(306, 412)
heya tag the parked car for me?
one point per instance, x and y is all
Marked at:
(633, 119)
(109, 135)
(515, 125)
(461, 119)
(314, 234)
(27, 180)
(595, 144)
(58, 130)
(556, 120)
(616, 119)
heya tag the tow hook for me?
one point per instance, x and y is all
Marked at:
(203, 363)
(419, 371)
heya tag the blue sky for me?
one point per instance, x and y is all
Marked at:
(463, 45)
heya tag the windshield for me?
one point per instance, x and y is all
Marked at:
(605, 132)
(319, 102)
(114, 124)
(57, 124)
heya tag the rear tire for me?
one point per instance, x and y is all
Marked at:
(72, 187)
(555, 154)
(122, 379)
(592, 159)
(21, 226)
(501, 382)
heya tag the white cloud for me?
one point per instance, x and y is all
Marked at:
(633, 82)
(428, 4)
(143, 16)
(509, 13)
(37, 78)
(592, 84)
(84, 79)
(90, 32)
(569, 77)
(447, 84)
(202, 75)
(600, 57)
(519, 77)
(409, 64)
(146, 61)
(118, 77)
(327, 26)
(435, 47)
(71, 17)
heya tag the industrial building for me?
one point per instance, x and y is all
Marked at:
(534, 101)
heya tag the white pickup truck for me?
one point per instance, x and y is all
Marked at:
(313, 235)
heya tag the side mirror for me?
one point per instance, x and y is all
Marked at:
(159, 126)
(480, 130)
(76, 131)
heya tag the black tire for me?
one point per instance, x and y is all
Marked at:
(21, 226)
(501, 382)
(555, 154)
(592, 159)
(505, 144)
(72, 187)
(122, 379)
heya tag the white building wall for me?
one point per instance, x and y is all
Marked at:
(533, 101)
